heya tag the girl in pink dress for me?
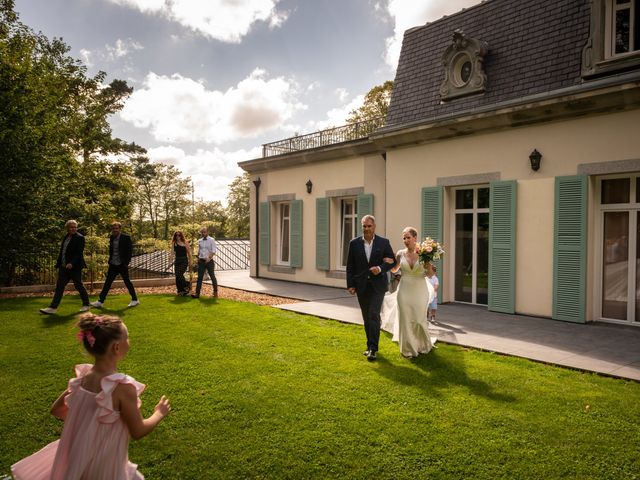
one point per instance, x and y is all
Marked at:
(101, 411)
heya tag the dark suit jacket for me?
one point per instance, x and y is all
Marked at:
(125, 246)
(358, 267)
(74, 254)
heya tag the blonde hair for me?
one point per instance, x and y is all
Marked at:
(412, 231)
(98, 331)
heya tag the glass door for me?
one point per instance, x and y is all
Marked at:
(471, 250)
(620, 272)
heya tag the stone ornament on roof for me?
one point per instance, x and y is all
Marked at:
(463, 67)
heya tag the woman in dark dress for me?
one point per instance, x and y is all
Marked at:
(182, 260)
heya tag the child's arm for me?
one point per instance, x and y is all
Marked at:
(124, 397)
(59, 408)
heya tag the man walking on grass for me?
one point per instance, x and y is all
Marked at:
(69, 263)
(206, 250)
(120, 252)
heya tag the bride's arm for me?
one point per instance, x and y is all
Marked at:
(396, 267)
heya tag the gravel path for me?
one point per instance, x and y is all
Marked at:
(223, 292)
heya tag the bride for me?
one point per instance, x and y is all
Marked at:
(405, 311)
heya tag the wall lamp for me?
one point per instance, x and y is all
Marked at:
(535, 159)
(309, 186)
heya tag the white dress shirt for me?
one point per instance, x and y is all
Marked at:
(368, 247)
(206, 248)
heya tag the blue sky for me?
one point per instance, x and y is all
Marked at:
(215, 79)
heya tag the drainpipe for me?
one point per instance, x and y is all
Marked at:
(257, 185)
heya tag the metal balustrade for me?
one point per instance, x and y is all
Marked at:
(18, 268)
(331, 136)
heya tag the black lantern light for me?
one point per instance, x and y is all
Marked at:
(309, 186)
(535, 158)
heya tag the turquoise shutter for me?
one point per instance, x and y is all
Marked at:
(570, 248)
(431, 223)
(322, 233)
(502, 246)
(265, 224)
(365, 207)
(295, 236)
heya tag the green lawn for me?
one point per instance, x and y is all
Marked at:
(262, 393)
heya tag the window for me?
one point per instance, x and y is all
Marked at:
(284, 217)
(623, 27)
(348, 227)
(614, 37)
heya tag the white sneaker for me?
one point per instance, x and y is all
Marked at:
(48, 310)
(85, 308)
(133, 303)
(97, 304)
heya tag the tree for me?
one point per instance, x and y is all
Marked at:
(376, 104)
(162, 195)
(211, 212)
(238, 207)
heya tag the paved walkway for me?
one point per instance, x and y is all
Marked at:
(605, 348)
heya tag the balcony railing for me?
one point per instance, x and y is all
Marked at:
(331, 136)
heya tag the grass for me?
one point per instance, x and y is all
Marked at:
(262, 393)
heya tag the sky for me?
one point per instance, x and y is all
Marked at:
(216, 79)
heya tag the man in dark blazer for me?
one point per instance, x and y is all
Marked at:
(120, 252)
(366, 277)
(69, 263)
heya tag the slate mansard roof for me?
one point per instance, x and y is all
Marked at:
(534, 47)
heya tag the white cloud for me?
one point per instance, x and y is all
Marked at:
(180, 109)
(224, 20)
(121, 48)
(412, 13)
(337, 117)
(342, 94)
(211, 170)
(86, 55)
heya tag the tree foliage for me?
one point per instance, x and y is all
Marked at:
(54, 136)
(238, 207)
(376, 104)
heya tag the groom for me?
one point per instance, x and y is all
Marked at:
(366, 277)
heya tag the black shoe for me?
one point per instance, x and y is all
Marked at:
(372, 356)
(193, 295)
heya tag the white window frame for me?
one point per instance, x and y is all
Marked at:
(601, 209)
(610, 27)
(282, 220)
(474, 265)
(340, 220)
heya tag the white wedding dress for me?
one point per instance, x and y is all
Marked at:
(405, 311)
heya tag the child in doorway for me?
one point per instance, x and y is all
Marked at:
(100, 409)
(432, 309)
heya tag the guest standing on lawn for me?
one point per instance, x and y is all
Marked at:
(206, 250)
(120, 252)
(181, 252)
(69, 264)
(101, 412)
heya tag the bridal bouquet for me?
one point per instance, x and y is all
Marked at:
(429, 250)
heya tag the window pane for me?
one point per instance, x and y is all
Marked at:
(347, 235)
(464, 257)
(464, 199)
(285, 241)
(637, 315)
(636, 26)
(483, 198)
(615, 269)
(622, 31)
(615, 190)
(482, 262)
